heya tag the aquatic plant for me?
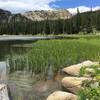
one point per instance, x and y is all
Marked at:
(55, 53)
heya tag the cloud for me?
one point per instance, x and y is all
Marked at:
(82, 9)
(17, 6)
(26, 5)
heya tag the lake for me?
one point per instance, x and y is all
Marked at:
(23, 83)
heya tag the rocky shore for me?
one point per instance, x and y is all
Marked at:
(72, 82)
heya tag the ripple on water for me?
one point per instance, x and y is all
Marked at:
(23, 87)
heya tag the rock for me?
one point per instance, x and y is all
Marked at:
(89, 63)
(60, 95)
(3, 72)
(50, 14)
(74, 70)
(3, 92)
(73, 84)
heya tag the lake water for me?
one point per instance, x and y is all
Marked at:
(23, 84)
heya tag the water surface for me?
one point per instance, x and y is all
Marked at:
(23, 83)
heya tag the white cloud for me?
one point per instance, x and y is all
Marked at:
(16, 6)
(25, 5)
(96, 8)
(82, 9)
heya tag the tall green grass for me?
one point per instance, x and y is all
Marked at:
(56, 54)
(61, 53)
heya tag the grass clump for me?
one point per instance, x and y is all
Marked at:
(91, 89)
(92, 71)
(89, 94)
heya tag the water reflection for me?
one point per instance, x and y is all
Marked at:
(3, 72)
(22, 82)
(19, 82)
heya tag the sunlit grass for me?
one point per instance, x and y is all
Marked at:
(61, 53)
(56, 53)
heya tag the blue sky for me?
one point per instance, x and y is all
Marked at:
(17, 6)
(76, 3)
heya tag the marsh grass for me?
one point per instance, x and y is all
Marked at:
(58, 54)
(46, 57)
(62, 53)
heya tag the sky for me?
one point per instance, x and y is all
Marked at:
(17, 6)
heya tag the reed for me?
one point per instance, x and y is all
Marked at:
(62, 53)
(53, 55)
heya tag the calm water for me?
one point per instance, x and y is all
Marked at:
(22, 83)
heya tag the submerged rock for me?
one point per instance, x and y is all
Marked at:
(73, 84)
(74, 70)
(60, 95)
(44, 86)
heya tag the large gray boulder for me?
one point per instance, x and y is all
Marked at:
(74, 84)
(60, 95)
(74, 70)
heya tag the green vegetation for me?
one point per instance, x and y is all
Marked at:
(89, 93)
(91, 89)
(93, 71)
(53, 55)
(58, 54)
(85, 23)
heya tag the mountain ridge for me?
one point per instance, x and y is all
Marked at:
(47, 14)
(37, 15)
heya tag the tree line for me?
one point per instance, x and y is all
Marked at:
(81, 22)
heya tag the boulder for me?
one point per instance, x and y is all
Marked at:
(3, 92)
(60, 95)
(73, 84)
(74, 70)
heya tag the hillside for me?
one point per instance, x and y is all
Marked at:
(49, 22)
(29, 22)
(4, 15)
(50, 14)
(7, 16)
